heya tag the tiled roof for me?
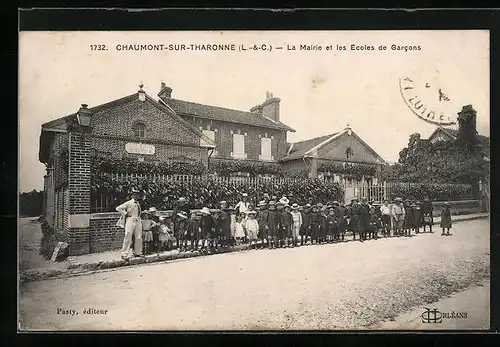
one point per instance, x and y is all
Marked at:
(182, 107)
(300, 148)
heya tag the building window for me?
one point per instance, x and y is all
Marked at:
(211, 135)
(238, 146)
(265, 148)
(348, 153)
(139, 130)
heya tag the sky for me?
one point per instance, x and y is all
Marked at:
(321, 91)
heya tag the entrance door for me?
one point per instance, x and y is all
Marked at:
(349, 192)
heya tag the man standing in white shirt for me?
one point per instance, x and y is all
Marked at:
(130, 212)
(398, 213)
(386, 217)
(243, 206)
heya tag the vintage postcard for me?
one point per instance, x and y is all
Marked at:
(254, 180)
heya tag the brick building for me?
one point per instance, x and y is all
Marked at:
(256, 135)
(337, 155)
(142, 128)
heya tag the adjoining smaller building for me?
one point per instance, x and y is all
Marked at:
(343, 155)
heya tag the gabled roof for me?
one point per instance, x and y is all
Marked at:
(61, 124)
(189, 108)
(309, 147)
(299, 149)
(453, 133)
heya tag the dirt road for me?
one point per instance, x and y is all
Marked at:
(342, 286)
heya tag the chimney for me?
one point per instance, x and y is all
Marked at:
(142, 93)
(165, 92)
(271, 107)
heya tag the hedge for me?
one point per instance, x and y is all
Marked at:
(435, 192)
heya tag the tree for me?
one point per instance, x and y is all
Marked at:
(30, 204)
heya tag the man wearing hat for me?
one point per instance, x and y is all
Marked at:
(181, 205)
(385, 212)
(427, 212)
(263, 220)
(306, 225)
(243, 206)
(398, 215)
(364, 219)
(285, 231)
(130, 220)
(417, 217)
(296, 223)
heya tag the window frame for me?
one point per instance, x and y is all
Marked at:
(349, 153)
(135, 128)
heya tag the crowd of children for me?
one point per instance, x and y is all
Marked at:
(277, 223)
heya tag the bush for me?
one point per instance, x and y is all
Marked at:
(50, 238)
(209, 192)
(435, 192)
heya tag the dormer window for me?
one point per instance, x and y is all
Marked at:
(348, 153)
(139, 130)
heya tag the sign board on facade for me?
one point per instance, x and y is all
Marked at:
(139, 148)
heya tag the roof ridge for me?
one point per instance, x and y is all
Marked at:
(220, 107)
(316, 138)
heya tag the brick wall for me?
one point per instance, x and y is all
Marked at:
(224, 138)
(160, 125)
(79, 190)
(105, 235)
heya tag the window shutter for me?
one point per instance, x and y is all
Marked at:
(238, 146)
(265, 145)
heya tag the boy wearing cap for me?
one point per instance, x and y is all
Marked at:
(262, 219)
(273, 224)
(315, 223)
(195, 230)
(243, 206)
(155, 229)
(418, 217)
(446, 219)
(285, 224)
(225, 224)
(409, 217)
(306, 225)
(324, 223)
(180, 206)
(147, 233)
(182, 230)
(296, 223)
(427, 214)
(341, 213)
(130, 220)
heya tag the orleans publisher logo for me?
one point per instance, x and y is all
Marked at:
(435, 316)
(427, 100)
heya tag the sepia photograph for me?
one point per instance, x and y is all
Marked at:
(254, 180)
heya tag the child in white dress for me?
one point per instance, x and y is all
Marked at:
(239, 230)
(252, 227)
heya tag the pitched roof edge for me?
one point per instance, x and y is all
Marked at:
(161, 104)
(324, 143)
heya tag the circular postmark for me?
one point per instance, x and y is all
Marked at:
(427, 100)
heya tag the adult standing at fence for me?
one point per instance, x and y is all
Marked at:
(130, 220)
(243, 206)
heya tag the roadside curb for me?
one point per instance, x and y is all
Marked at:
(76, 269)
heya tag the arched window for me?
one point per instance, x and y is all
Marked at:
(139, 130)
(348, 153)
